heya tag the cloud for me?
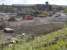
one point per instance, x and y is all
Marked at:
(29, 1)
(58, 2)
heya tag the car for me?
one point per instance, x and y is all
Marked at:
(8, 30)
(28, 17)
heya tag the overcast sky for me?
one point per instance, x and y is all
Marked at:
(57, 2)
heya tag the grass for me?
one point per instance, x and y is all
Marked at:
(53, 41)
(65, 10)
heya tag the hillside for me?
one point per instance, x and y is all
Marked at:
(53, 41)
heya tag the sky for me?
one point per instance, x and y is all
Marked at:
(57, 2)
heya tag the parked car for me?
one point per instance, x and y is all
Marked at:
(28, 17)
(8, 30)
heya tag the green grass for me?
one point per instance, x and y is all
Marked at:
(44, 42)
(65, 10)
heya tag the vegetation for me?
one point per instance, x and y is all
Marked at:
(53, 41)
(65, 10)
